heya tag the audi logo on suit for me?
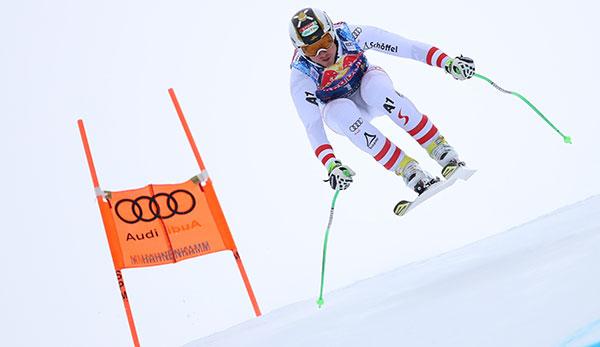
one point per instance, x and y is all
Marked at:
(354, 127)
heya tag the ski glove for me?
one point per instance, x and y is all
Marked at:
(461, 68)
(340, 176)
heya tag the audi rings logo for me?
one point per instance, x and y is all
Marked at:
(354, 127)
(162, 205)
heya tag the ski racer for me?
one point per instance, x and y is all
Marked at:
(333, 83)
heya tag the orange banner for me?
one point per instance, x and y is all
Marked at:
(161, 224)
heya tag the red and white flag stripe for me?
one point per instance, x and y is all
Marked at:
(325, 153)
(424, 132)
(389, 155)
(436, 57)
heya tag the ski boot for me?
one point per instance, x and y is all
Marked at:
(446, 156)
(416, 178)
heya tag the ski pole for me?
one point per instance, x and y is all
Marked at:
(567, 139)
(320, 301)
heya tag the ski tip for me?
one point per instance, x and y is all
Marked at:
(401, 208)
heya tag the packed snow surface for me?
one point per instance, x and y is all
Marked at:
(534, 285)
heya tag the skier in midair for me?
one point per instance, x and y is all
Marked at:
(333, 83)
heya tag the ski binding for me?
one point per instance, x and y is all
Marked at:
(404, 206)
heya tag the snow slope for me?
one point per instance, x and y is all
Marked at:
(534, 285)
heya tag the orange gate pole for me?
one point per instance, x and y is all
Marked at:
(215, 206)
(120, 279)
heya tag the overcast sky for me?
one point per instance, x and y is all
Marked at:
(111, 64)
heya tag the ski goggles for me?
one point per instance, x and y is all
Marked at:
(313, 49)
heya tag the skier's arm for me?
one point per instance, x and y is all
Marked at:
(370, 37)
(303, 94)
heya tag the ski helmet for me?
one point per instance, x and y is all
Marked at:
(308, 26)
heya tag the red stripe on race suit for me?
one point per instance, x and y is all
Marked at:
(321, 148)
(393, 159)
(440, 59)
(419, 126)
(430, 55)
(326, 158)
(429, 135)
(384, 150)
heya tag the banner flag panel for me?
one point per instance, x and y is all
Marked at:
(162, 224)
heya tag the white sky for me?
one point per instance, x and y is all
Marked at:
(111, 63)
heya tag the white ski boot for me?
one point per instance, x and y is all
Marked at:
(446, 156)
(416, 178)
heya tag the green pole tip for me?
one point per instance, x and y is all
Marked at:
(320, 302)
(568, 139)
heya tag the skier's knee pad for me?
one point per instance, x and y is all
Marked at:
(340, 115)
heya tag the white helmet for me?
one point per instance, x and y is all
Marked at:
(308, 26)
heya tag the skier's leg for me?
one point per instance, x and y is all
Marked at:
(377, 90)
(344, 117)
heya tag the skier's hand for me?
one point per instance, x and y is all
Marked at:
(461, 68)
(340, 176)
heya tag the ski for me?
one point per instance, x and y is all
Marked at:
(461, 172)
